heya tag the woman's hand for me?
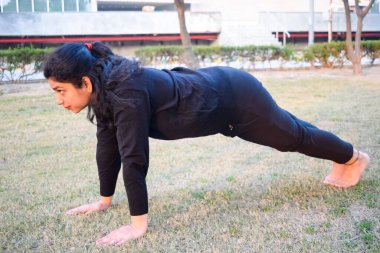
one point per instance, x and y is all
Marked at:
(98, 206)
(138, 227)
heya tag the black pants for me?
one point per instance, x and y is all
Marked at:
(260, 120)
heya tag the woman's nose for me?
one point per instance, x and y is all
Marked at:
(59, 100)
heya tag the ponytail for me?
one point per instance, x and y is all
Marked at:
(99, 49)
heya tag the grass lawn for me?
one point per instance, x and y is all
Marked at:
(211, 194)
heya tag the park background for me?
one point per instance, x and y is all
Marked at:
(211, 194)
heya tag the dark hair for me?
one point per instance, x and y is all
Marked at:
(72, 61)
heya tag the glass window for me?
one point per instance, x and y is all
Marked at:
(40, 6)
(9, 5)
(70, 5)
(55, 5)
(25, 5)
(376, 7)
(84, 5)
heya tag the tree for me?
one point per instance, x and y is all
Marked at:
(189, 57)
(354, 54)
(329, 27)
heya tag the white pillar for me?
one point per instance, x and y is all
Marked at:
(311, 22)
(94, 5)
(329, 26)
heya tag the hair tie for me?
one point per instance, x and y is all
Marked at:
(89, 46)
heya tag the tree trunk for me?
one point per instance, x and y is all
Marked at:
(329, 26)
(354, 55)
(189, 57)
(358, 53)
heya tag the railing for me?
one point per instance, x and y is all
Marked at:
(283, 29)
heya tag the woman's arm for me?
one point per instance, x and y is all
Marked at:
(132, 119)
(107, 158)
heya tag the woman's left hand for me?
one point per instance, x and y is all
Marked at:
(121, 235)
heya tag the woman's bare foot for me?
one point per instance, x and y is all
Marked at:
(336, 172)
(347, 175)
(138, 227)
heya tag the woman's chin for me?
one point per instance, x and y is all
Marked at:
(77, 110)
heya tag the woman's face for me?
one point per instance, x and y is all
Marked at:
(72, 98)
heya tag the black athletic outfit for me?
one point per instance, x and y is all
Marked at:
(183, 103)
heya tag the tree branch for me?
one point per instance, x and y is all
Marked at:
(362, 12)
(350, 49)
(368, 7)
(358, 10)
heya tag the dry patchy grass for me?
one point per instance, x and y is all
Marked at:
(212, 194)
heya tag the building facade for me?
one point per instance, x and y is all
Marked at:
(144, 22)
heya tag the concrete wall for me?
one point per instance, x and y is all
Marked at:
(234, 27)
(249, 7)
(278, 21)
(252, 21)
(105, 23)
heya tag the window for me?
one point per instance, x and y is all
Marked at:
(40, 5)
(70, 5)
(9, 6)
(84, 5)
(55, 5)
(376, 7)
(25, 5)
(45, 5)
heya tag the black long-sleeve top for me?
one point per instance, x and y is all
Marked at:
(161, 104)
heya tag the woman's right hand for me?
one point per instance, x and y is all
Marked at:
(98, 206)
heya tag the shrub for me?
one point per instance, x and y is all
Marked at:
(371, 48)
(206, 54)
(320, 53)
(20, 63)
(335, 53)
(324, 54)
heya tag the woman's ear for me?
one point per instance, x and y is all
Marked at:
(87, 85)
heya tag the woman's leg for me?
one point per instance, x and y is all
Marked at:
(272, 126)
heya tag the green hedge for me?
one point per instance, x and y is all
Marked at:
(173, 54)
(371, 48)
(19, 63)
(324, 54)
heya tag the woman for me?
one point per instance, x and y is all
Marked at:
(131, 103)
